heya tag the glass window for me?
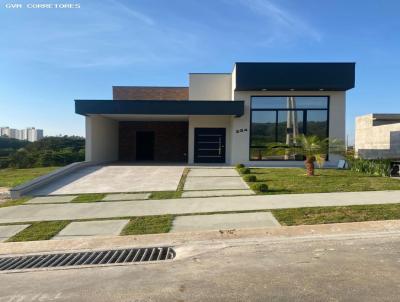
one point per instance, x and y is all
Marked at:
(317, 102)
(280, 119)
(263, 128)
(290, 125)
(317, 123)
(289, 102)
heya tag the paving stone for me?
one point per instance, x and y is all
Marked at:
(214, 183)
(7, 231)
(127, 196)
(217, 193)
(223, 222)
(212, 172)
(91, 228)
(52, 199)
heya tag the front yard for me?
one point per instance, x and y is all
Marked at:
(294, 180)
(13, 177)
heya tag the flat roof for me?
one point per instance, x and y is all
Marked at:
(157, 107)
(301, 76)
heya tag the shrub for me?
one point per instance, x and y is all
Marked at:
(377, 167)
(259, 187)
(244, 171)
(240, 166)
(250, 178)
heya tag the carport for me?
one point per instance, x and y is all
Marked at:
(159, 131)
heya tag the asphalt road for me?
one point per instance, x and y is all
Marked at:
(327, 269)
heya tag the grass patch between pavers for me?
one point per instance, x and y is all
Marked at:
(323, 215)
(295, 181)
(43, 230)
(89, 197)
(13, 177)
(14, 202)
(148, 225)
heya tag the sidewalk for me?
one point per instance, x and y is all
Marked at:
(72, 211)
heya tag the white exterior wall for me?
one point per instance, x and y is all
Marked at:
(210, 121)
(241, 141)
(380, 141)
(213, 87)
(101, 139)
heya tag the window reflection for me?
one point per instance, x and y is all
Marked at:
(282, 119)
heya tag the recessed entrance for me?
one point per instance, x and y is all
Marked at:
(209, 145)
(145, 145)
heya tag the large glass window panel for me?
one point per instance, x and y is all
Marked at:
(290, 125)
(317, 102)
(317, 123)
(263, 125)
(289, 102)
(269, 102)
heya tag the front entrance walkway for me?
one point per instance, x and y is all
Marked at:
(205, 182)
(74, 211)
(116, 178)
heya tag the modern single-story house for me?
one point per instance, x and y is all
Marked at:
(377, 135)
(221, 117)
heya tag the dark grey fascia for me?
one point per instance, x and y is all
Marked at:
(294, 76)
(156, 107)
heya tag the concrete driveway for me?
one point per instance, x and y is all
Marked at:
(116, 178)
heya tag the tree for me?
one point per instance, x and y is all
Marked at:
(311, 147)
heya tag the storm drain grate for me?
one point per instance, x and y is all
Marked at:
(87, 258)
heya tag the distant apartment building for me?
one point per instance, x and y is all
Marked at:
(30, 134)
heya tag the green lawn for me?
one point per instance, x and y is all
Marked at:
(294, 180)
(13, 177)
(43, 230)
(320, 215)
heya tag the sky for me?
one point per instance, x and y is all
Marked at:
(49, 57)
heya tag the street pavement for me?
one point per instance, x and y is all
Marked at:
(348, 267)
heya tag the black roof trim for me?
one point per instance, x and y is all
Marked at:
(300, 76)
(157, 107)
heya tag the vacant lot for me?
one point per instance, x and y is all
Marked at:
(294, 180)
(13, 177)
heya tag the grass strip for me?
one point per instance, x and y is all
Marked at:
(148, 225)
(43, 230)
(89, 197)
(323, 215)
(15, 202)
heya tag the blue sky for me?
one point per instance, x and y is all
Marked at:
(49, 57)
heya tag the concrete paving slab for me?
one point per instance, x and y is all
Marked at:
(212, 172)
(214, 183)
(223, 222)
(73, 211)
(7, 231)
(52, 199)
(116, 179)
(217, 193)
(91, 228)
(126, 196)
